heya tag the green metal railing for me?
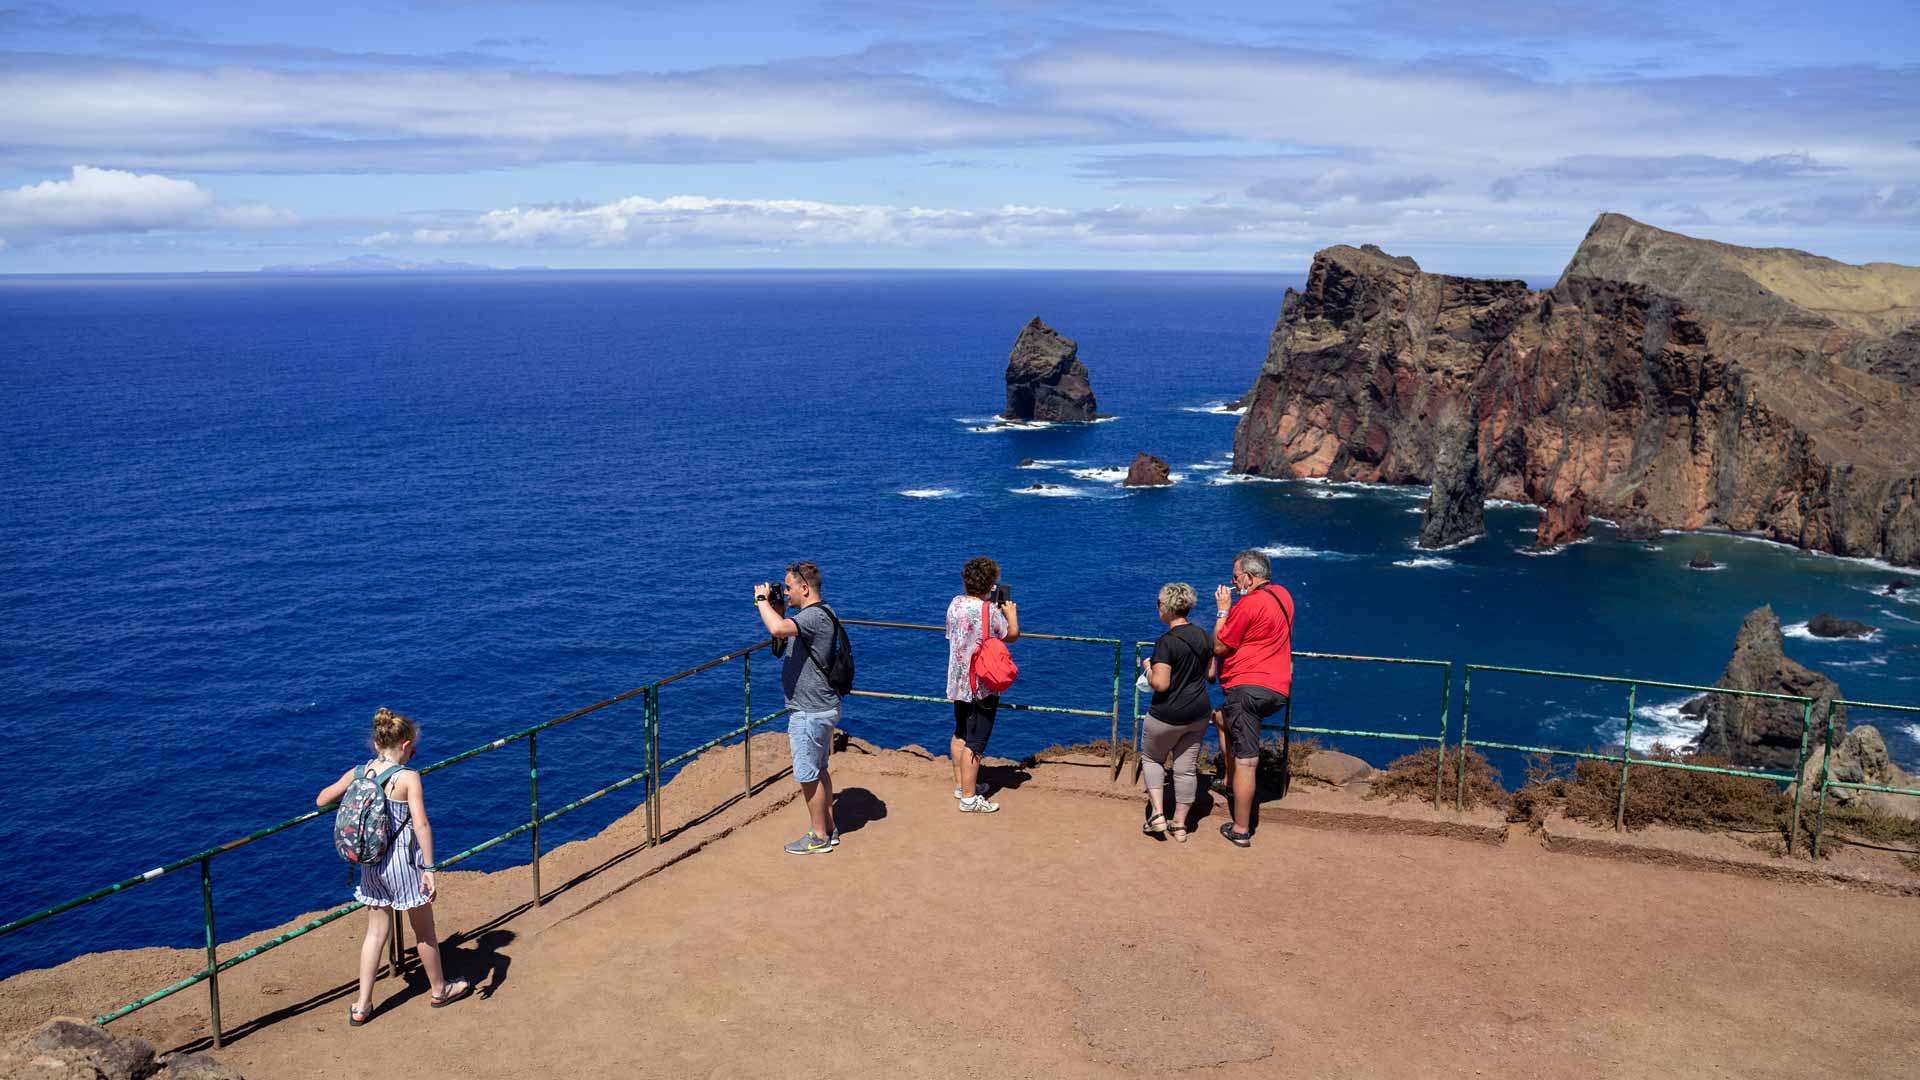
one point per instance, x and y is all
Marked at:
(1826, 766)
(1287, 727)
(1625, 757)
(649, 696)
(650, 702)
(650, 699)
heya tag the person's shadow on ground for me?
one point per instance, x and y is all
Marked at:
(854, 808)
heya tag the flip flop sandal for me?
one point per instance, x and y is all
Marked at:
(1237, 839)
(1147, 826)
(1178, 834)
(445, 1000)
(355, 1018)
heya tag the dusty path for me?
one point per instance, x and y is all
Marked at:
(1052, 939)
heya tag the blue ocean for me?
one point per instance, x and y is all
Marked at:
(240, 513)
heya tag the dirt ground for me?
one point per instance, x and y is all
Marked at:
(1054, 939)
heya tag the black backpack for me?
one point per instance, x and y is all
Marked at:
(838, 670)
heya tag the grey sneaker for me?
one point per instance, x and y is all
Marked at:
(833, 838)
(978, 804)
(809, 845)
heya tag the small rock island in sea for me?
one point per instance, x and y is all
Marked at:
(1046, 380)
(1147, 471)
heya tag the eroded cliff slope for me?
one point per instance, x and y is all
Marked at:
(1694, 383)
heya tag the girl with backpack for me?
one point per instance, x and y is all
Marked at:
(382, 825)
(973, 622)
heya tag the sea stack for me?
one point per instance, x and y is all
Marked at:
(1680, 383)
(1147, 471)
(1456, 511)
(1563, 523)
(1046, 380)
(1758, 733)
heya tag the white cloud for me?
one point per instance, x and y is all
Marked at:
(93, 201)
(257, 119)
(683, 222)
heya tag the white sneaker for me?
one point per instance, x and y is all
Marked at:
(978, 789)
(978, 804)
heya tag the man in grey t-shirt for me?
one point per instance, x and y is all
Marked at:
(815, 707)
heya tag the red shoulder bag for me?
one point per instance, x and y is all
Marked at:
(992, 666)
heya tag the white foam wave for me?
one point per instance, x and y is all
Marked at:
(930, 493)
(1215, 408)
(1897, 615)
(1416, 509)
(1245, 478)
(1849, 665)
(1556, 549)
(1409, 491)
(1804, 632)
(1905, 596)
(1292, 551)
(1509, 504)
(1332, 493)
(1706, 569)
(1660, 722)
(1425, 562)
(1912, 731)
(1048, 463)
(1103, 474)
(1210, 466)
(1011, 425)
(1053, 491)
(1455, 546)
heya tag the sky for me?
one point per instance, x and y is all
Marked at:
(1478, 136)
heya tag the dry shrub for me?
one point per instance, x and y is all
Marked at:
(1860, 823)
(1411, 777)
(1100, 748)
(1590, 792)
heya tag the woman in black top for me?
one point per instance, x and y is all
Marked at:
(1178, 670)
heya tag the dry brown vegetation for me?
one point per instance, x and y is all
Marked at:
(1411, 777)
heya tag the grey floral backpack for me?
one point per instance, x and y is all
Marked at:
(363, 830)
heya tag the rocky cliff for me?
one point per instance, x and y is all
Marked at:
(1679, 383)
(1045, 378)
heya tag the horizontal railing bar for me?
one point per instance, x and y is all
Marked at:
(241, 958)
(745, 729)
(1872, 787)
(1366, 734)
(1589, 755)
(715, 662)
(1638, 682)
(1877, 705)
(1635, 761)
(1302, 653)
(1005, 704)
(1024, 635)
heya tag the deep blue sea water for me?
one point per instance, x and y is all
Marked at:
(240, 513)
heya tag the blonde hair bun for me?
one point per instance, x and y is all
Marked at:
(390, 729)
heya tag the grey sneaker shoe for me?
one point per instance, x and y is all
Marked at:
(833, 838)
(809, 845)
(978, 804)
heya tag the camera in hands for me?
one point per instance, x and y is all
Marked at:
(1001, 594)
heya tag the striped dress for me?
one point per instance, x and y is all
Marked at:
(395, 883)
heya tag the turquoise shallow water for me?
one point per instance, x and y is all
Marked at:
(242, 513)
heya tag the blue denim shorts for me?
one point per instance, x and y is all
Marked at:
(810, 739)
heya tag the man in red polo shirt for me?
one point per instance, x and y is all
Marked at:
(1255, 640)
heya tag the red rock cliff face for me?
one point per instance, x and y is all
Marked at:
(1692, 394)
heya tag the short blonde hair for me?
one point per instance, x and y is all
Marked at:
(1178, 598)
